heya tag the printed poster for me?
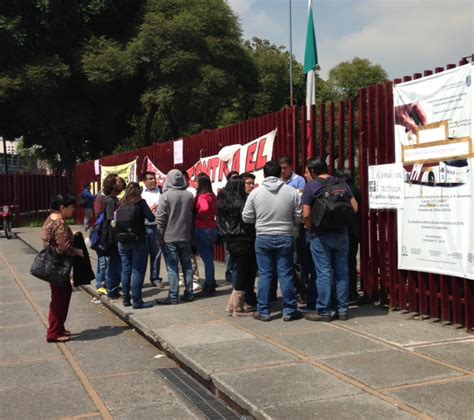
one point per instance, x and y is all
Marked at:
(433, 140)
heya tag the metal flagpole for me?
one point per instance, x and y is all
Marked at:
(291, 57)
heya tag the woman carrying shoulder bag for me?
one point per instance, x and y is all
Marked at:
(58, 236)
(240, 239)
(130, 226)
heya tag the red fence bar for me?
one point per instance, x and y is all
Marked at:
(322, 131)
(331, 137)
(341, 120)
(350, 142)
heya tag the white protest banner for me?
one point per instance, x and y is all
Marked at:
(178, 152)
(386, 186)
(250, 157)
(433, 141)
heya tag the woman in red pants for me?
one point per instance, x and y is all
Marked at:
(57, 234)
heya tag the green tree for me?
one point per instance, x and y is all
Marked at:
(44, 94)
(347, 78)
(191, 63)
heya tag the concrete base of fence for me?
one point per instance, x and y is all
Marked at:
(378, 363)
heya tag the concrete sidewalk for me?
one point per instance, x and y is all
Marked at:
(379, 364)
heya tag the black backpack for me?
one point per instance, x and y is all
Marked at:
(129, 224)
(332, 209)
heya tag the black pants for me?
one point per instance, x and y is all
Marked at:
(246, 264)
(353, 248)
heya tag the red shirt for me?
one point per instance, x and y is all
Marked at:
(206, 211)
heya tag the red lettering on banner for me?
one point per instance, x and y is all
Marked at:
(261, 158)
(213, 168)
(250, 160)
(223, 170)
(236, 161)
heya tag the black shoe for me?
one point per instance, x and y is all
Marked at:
(157, 283)
(261, 317)
(166, 301)
(187, 298)
(341, 317)
(208, 290)
(293, 317)
(126, 302)
(142, 305)
(114, 295)
(315, 316)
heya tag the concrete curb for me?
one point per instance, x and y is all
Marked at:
(233, 399)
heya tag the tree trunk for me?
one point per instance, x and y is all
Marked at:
(148, 123)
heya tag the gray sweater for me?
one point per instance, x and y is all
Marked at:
(175, 209)
(274, 207)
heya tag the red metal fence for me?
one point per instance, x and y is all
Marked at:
(352, 134)
(31, 194)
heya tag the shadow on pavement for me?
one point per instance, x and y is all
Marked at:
(99, 333)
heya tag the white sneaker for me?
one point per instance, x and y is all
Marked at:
(196, 287)
(181, 283)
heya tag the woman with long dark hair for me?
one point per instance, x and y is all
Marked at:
(240, 239)
(130, 225)
(56, 234)
(206, 229)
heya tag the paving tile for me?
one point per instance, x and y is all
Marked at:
(386, 368)
(211, 358)
(441, 401)
(146, 389)
(46, 401)
(410, 332)
(28, 349)
(459, 354)
(330, 343)
(274, 386)
(201, 334)
(362, 406)
(38, 374)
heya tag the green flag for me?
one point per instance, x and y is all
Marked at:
(311, 53)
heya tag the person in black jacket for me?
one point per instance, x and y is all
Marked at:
(354, 234)
(130, 226)
(240, 239)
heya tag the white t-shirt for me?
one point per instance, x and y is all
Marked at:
(151, 197)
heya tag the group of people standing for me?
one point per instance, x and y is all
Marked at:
(267, 231)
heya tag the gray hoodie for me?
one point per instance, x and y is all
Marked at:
(175, 209)
(274, 207)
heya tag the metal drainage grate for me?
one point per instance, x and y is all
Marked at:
(197, 394)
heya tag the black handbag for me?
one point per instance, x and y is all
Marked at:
(52, 267)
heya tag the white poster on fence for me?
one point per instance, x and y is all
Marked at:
(386, 186)
(178, 152)
(433, 136)
(250, 157)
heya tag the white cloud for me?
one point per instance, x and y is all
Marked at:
(405, 36)
(241, 6)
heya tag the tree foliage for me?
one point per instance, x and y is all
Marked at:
(81, 78)
(347, 78)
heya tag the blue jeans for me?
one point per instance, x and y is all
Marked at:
(114, 273)
(174, 252)
(133, 257)
(205, 239)
(101, 270)
(275, 253)
(330, 255)
(154, 251)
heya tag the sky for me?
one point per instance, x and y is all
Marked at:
(404, 36)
